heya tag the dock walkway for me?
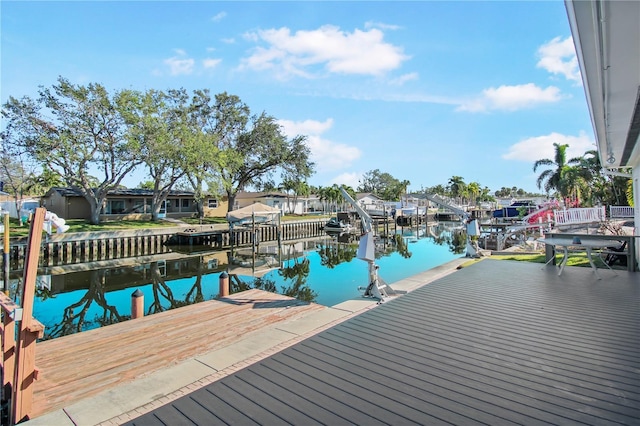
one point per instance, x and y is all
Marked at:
(84, 364)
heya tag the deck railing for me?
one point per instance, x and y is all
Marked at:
(620, 211)
(580, 215)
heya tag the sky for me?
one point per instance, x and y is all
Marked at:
(422, 90)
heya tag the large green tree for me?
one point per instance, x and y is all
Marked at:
(249, 149)
(172, 144)
(76, 130)
(17, 170)
(258, 151)
(383, 185)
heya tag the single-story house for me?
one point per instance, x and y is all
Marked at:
(286, 203)
(134, 203)
(369, 200)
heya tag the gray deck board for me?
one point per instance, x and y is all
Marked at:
(496, 343)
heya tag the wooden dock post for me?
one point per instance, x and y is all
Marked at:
(224, 284)
(5, 255)
(30, 329)
(8, 358)
(137, 304)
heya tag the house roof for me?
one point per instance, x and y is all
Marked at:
(122, 192)
(361, 195)
(607, 39)
(243, 195)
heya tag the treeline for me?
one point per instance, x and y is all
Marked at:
(83, 137)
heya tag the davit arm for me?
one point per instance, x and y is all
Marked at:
(366, 251)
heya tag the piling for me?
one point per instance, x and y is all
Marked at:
(5, 256)
(137, 304)
(224, 284)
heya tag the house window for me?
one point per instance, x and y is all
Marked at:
(138, 206)
(212, 203)
(115, 207)
(185, 203)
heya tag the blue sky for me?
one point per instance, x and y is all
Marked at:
(423, 90)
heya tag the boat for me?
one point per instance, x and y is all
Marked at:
(335, 225)
(514, 209)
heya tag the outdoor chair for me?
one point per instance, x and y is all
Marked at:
(613, 258)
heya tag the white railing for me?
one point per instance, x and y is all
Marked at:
(581, 215)
(621, 211)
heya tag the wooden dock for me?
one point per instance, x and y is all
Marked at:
(84, 364)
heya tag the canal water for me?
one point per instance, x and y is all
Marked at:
(322, 270)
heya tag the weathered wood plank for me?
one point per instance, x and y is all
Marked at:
(84, 364)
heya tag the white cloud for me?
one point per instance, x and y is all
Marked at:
(180, 64)
(511, 98)
(327, 155)
(403, 79)
(359, 52)
(210, 62)
(349, 179)
(382, 26)
(219, 17)
(305, 127)
(536, 148)
(559, 57)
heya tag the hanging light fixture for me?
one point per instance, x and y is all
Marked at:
(611, 159)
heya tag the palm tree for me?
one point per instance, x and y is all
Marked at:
(457, 187)
(554, 179)
(324, 194)
(582, 176)
(474, 192)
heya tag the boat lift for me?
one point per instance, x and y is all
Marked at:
(366, 251)
(471, 224)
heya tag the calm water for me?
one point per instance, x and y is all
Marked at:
(323, 270)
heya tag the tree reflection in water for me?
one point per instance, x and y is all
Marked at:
(74, 316)
(455, 238)
(333, 253)
(401, 246)
(297, 272)
(162, 291)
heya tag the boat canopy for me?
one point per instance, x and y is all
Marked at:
(257, 212)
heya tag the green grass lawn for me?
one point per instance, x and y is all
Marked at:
(575, 259)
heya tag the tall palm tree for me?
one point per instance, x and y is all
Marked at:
(474, 192)
(457, 187)
(584, 176)
(554, 179)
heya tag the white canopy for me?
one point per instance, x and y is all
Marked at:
(257, 212)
